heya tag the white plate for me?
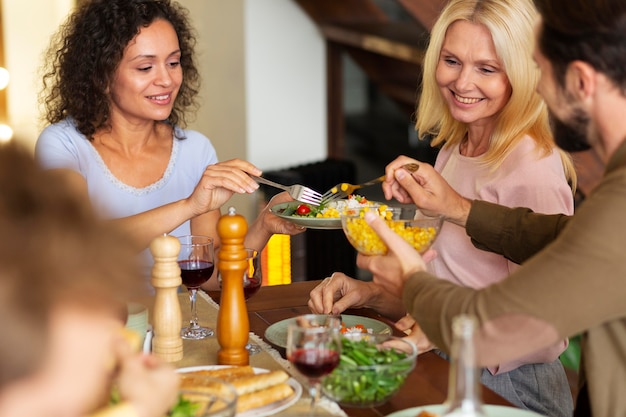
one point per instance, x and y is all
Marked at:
(308, 222)
(490, 410)
(277, 332)
(266, 410)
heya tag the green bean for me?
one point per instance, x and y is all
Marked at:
(366, 374)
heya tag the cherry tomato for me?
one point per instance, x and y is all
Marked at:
(303, 209)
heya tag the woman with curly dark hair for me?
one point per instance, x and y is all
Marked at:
(121, 78)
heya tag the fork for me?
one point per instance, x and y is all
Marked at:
(344, 189)
(297, 192)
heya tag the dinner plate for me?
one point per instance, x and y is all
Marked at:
(277, 332)
(490, 410)
(266, 410)
(309, 222)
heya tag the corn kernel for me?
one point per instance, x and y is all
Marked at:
(366, 241)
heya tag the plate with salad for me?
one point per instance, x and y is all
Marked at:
(325, 216)
(276, 333)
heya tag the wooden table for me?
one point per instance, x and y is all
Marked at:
(427, 383)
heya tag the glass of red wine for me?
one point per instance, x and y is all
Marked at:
(314, 349)
(252, 281)
(196, 263)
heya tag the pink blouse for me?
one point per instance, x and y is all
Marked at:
(525, 178)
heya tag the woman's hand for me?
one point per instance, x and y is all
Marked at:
(219, 182)
(426, 188)
(273, 224)
(415, 334)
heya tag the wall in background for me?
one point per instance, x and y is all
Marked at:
(27, 26)
(263, 69)
(264, 84)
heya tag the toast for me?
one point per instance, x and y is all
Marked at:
(253, 390)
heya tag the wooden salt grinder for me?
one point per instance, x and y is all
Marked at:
(232, 318)
(166, 317)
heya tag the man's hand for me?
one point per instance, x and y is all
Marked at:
(427, 189)
(393, 269)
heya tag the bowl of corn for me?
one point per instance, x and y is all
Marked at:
(413, 226)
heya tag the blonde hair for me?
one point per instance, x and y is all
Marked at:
(510, 23)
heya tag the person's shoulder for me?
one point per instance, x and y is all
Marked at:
(195, 145)
(61, 134)
(526, 144)
(66, 128)
(527, 149)
(191, 136)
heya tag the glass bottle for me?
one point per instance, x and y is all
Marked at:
(464, 398)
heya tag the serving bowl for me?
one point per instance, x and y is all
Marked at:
(414, 227)
(372, 369)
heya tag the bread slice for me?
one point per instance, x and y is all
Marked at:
(264, 397)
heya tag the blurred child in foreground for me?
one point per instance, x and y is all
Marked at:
(65, 279)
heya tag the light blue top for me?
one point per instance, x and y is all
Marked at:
(61, 145)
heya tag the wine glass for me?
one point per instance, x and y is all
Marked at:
(196, 263)
(314, 349)
(252, 281)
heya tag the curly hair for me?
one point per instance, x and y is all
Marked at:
(84, 54)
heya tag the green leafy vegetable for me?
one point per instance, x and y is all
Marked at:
(291, 210)
(366, 374)
(184, 408)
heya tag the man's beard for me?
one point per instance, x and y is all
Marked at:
(571, 134)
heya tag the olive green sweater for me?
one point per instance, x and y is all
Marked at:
(573, 280)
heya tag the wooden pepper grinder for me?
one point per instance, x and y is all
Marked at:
(166, 317)
(232, 318)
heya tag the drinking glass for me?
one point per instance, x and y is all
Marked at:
(196, 267)
(252, 281)
(314, 349)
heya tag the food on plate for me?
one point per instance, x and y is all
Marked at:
(425, 413)
(264, 397)
(227, 373)
(303, 209)
(332, 210)
(252, 383)
(357, 328)
(253, 389)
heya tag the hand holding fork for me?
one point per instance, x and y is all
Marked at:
(297, 192)
(344, 189)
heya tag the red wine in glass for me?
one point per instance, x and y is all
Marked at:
(251, 286)
(315, 363)
(196, 262)
(195, 273)
(314, 349)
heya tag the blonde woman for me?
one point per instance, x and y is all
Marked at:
(479, 104)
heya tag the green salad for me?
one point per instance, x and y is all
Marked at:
(182, 408)
(366, 374)
(332, 209)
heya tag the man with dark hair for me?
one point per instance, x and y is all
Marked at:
(573, 277)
